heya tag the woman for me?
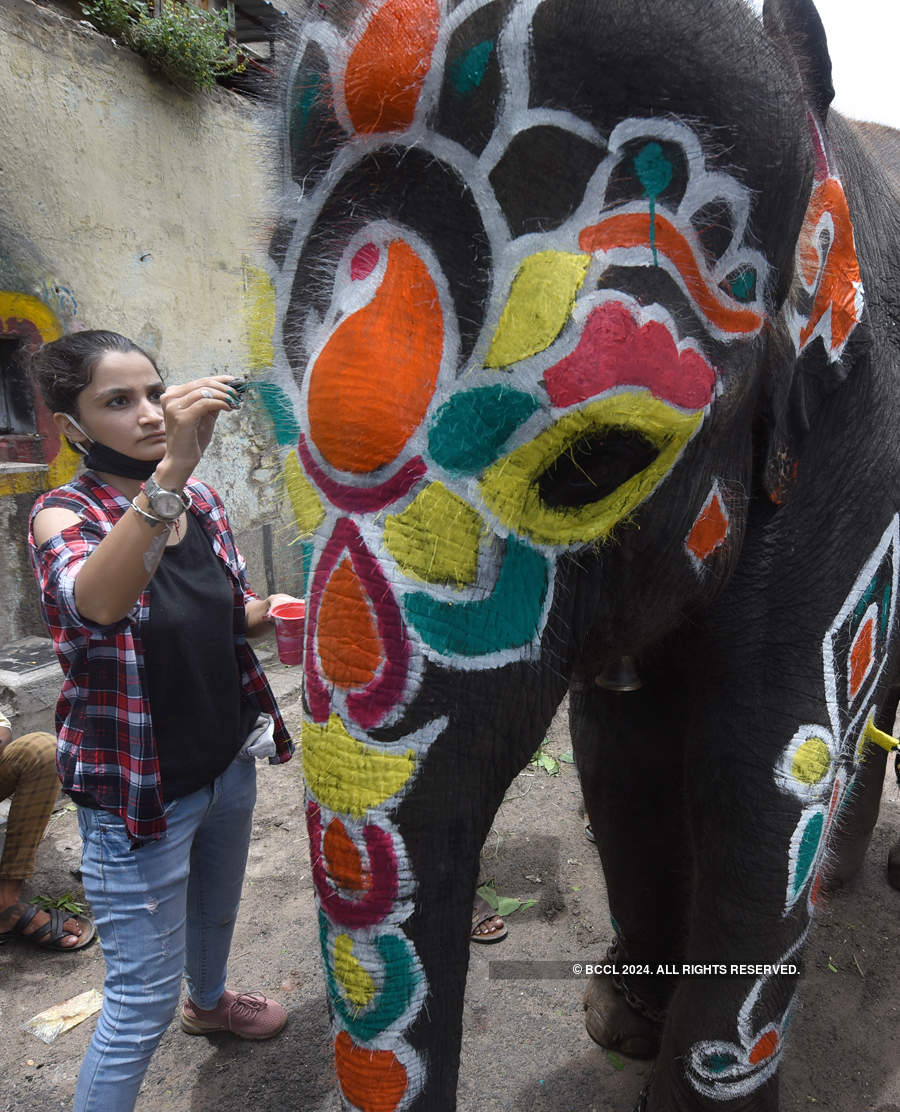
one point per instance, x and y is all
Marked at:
(145, 596)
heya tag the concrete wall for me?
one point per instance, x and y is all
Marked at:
(127, 204)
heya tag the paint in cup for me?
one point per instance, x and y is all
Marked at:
(289, 619)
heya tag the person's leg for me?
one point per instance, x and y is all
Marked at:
(28, 774)
(139, 899)
(218, 861)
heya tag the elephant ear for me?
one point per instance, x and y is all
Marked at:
(797, 23)
(809, 356)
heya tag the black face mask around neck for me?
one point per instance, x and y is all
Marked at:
(101, 458)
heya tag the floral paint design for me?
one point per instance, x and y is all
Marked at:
(422, 416)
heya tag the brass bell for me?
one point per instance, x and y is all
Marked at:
(620, 675)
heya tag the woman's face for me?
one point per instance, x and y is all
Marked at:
(120, 406)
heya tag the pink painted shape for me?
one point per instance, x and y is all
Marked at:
(361, 499)
(370, 706)
(364, 262)
(379, 900)
(614, 351)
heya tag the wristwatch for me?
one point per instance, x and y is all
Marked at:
(168, 505)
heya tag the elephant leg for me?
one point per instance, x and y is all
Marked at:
(631, 770)
(860, 813)
(396, 885)
(758, 844)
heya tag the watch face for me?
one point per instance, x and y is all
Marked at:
(166, 504)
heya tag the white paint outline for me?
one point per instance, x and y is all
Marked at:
(888, 543)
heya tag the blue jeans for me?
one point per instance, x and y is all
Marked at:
(162, 910)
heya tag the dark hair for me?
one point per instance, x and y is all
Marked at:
(61, 369)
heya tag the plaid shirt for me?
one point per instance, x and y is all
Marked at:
(105, 733)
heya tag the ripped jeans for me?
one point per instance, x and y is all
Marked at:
(161, 911)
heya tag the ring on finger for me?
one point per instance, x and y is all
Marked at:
(206, 392)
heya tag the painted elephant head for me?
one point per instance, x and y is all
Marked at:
(562, 288)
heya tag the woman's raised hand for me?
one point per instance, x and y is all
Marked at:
(190, 410)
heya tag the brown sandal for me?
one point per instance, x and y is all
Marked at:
(51, 934)
(482, 912)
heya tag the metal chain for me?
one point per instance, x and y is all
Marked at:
(641, 1105)
(655, 1015)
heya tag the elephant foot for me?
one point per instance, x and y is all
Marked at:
(613, 1023)
(893, 866)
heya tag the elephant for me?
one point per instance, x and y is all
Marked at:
(586, 361)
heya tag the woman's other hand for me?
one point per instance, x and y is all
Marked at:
(259, 613)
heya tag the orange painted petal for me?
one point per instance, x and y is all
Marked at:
(372, 1080)
(764, 1048)
(389, 64)
(342, 859)
(372, 382)
(633, 230)
(841, 280)
(709, 531)
(860, 657)
(350, 650)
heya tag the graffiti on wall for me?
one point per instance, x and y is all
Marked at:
(32, 322)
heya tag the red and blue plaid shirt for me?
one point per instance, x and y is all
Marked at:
(105, 744)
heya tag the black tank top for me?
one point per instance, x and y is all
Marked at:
(200, 717)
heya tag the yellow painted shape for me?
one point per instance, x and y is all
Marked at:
(260, 318)
(358, 986)
(436, 537)
(540, 302)
(510, 490)
(876, 737)
(811, 761)
(26, 307)
(347, 776)
(32, 481)
(63, 466)
(308, 510)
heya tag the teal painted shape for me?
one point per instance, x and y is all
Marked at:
(653, 169)
(303, 106)
(806, 853)
(506, 620)
(391, 1000)
(469, 431)
(885, 609)
(467, 71)
(742, 285)
(718, 1063)
(280, 411)
(884, 604)
(654, 172)
(306, 549)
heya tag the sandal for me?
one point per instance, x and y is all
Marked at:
(482, 912)
(51, 934)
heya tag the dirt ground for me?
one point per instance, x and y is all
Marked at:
(524, 1044)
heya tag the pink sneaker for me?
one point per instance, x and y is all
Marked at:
(249, 1015)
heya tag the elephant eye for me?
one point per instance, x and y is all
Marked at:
(594, 466)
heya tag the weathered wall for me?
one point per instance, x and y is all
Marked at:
(127, 204)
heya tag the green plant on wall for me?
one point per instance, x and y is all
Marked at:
(188, 45)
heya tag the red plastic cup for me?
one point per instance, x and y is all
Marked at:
(289, 619)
